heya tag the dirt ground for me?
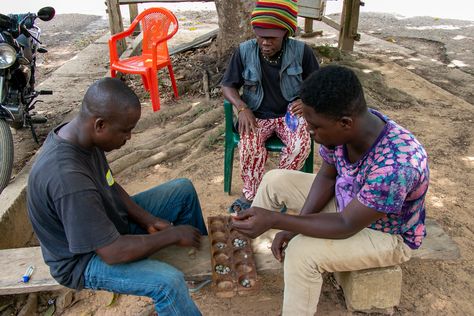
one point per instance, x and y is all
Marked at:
(185, 139)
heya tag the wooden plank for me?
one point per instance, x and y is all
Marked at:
(191, 263)
(349, 24)
(345, 42)
(196, 42)
(308, 25)
(116, 23)
(13, 264)
(331, 23)
(194, 264)
(137, 43)
(355, 20)
(437, 245)
(313, 9)
(133, 9)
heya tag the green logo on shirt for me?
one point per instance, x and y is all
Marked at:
(110, 178)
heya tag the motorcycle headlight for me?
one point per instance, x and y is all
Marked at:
(7, 55)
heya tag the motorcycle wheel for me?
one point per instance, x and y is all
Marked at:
(6, 154)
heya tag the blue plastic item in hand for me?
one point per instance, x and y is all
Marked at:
(292, 121)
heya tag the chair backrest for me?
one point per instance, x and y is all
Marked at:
(158, 25)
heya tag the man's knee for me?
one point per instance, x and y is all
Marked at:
(185, 186)
(169, 281)
(175, 279)
(274, 180)
(298, 256)
(292, 253)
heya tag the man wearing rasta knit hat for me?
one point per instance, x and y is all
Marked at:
(270, 70)
(274, 17)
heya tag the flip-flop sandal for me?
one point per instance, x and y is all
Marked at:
(195, 286)
(238, 206)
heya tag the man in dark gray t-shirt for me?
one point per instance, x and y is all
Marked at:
(92, 233)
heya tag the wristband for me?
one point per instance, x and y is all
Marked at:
(242, 108)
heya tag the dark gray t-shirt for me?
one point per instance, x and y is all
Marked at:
(74, 207)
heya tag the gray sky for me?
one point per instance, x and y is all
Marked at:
(453, 9)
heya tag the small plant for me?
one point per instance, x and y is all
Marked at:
(328, 53)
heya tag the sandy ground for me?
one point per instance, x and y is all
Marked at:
(412, 94)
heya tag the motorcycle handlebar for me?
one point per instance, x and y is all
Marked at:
(22, 22)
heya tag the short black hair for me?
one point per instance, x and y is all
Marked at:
(334, 91)
(107, 97)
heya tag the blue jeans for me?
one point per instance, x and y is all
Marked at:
(177, 202)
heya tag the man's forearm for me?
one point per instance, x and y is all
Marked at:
(320, 225)
(321, 192)
(355, 217)
(232, 94)
(129, 248)
(322, 189)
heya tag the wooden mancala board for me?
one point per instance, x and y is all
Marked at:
(233, 264)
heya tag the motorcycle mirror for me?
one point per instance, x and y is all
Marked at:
(5, 21)
(46, 13)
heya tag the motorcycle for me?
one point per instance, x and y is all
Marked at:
(19, 45)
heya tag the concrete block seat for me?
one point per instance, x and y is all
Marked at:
(367, 290)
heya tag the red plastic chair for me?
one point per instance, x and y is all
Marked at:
(158, 25)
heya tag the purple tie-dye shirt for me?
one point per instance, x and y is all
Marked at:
(392, 178)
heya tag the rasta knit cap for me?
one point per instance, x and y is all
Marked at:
(275, 14)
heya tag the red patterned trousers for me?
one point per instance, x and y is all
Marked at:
(253, 153)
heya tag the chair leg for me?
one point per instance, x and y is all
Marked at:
(145, 83)
(113, 73)
(228, 165)
(154, 91)
(173, 81)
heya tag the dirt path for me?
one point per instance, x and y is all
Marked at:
(185, 139)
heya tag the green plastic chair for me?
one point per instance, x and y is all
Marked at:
(232, 138)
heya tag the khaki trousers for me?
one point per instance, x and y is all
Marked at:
(306, 257)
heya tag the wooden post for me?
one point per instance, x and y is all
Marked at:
(133, 8)
(116, 23)
(308, 25)
(349, 24)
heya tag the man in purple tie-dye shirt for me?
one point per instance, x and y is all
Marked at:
(365, 207)
(391, 177)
